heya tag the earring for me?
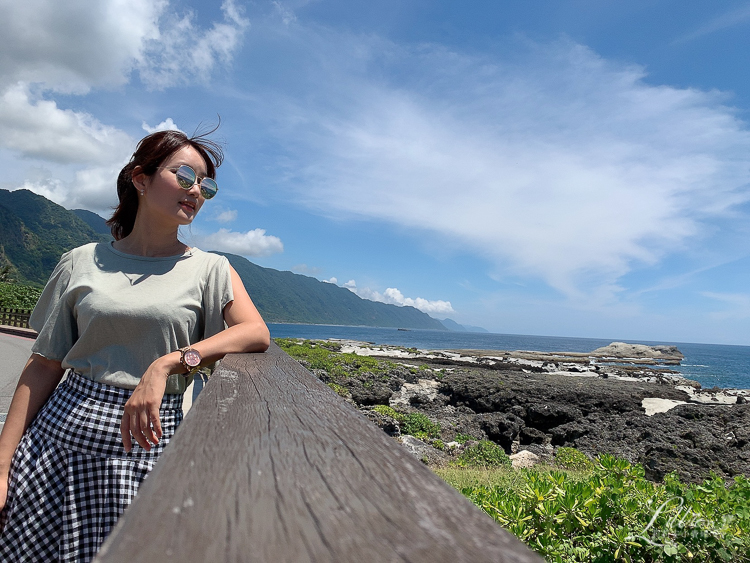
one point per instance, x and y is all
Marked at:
(142, 192)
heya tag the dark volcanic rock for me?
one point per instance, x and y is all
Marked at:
(502, 428)
(369, 393)
(485, 391)
(692, 440)
(543, 411)
(605, 416)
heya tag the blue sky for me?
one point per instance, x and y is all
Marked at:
(532, 167)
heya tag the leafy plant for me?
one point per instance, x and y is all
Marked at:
(615, 514)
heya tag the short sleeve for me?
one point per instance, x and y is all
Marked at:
(53, 316)
(217, 295)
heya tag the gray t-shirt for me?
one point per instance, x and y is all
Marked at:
(107, 315)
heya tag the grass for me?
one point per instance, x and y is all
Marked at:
(504, 477)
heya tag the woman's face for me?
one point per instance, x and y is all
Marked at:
(163, 198)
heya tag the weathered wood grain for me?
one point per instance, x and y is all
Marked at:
(271, 465)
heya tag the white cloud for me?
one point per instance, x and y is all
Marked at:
(251, 243)
(393, 296)
(226, 216)
(75, 46)
(166, 125)
(556, 164)
(39, 129)
(726, 20)
(333, 280)
(184, 53)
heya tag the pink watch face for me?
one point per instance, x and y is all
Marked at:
(192, 358)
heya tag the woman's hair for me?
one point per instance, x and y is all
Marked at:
(150, 153)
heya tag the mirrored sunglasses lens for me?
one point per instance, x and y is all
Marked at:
(209, 188)
(185, 177)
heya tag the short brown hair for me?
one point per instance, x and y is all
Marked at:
(150, 153)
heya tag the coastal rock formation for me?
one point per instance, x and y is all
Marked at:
(622, 350)
(538, 402)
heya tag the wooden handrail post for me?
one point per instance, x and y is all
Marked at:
(271, 465)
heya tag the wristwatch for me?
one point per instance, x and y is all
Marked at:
(190, 359)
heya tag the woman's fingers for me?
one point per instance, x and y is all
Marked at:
(146, 420)
(125, 431)
(156, 424)
(143, 425)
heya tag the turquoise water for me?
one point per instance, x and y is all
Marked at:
(712, 365)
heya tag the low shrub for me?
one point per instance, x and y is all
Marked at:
(323, 355)
(615, 514)
(571, 458)
(16, 296)
(387, 411)
(484, 454)
(416, 422)
(463, 438)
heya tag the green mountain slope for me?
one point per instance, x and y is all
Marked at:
(96, 222)
(34, 232)
(286, 297)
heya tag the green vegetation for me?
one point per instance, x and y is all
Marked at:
(35, 232)
(387, 411)
(319, 355)
(571, 458)
(285, 297)
(463, 438)
(415, 424)
(16, 296)
(338, 389)
(483, 454)
(612, 513)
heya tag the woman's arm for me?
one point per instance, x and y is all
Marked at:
(37, 382)
(245, 332)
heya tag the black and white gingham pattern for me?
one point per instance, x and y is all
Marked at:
(70, 476)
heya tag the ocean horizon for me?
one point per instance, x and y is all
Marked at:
(711, 365)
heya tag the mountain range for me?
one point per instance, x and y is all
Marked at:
(34, 232)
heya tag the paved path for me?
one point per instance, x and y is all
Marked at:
(15, 351)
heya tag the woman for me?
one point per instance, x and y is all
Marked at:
(131, 320)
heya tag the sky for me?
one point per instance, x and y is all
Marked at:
(548, 167)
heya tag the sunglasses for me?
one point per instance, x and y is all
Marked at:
(187, 178)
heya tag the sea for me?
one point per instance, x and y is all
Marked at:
(711, 365)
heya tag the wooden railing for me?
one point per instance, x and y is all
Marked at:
(270, 465)
(15, 317)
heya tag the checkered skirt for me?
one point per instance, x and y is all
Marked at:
(70, 478)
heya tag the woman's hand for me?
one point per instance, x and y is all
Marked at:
(141, 418)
